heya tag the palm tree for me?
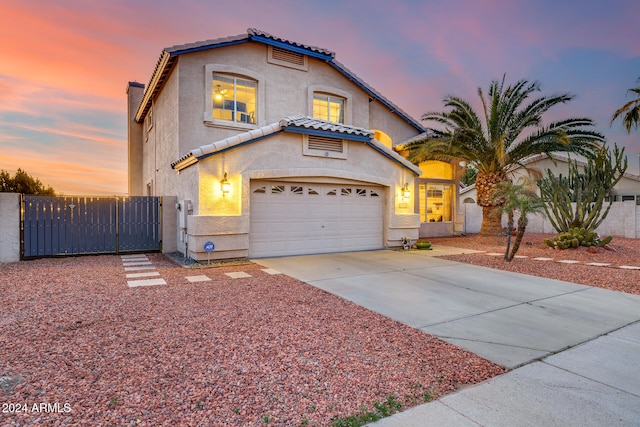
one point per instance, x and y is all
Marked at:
(520, 198)
(631, 111)
(512, 130)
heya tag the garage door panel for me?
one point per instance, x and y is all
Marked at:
(303, 218)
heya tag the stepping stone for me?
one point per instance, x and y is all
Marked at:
(598, 264)
(133, 256)
(494, 254)
(145, 282)
(569, 261)
(132, 264)
(147, 274)
(629, 267)
(521, 256)
(194, 279)
(543, 259)
(271, 271)
(142, 267)
(238, 275)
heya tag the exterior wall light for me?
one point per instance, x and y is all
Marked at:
(225, 186)
(406, 193)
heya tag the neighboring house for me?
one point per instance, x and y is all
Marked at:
(627, 189)
(274, 148)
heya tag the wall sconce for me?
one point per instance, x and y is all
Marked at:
(225, 186)
(406, 193)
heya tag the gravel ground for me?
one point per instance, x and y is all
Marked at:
(78, 347)
(620, 252)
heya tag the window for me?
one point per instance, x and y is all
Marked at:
(435, 202)
(328, 107)
(234, 99)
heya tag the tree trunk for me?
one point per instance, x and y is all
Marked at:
(491, 221)
(491, 214)
(522, 226)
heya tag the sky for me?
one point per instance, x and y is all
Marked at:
(65, 64)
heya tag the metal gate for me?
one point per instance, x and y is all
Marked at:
(54, 226)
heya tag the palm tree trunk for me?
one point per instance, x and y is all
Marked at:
(509, 233)
(491, 221)
(486, 183)
(522, 226)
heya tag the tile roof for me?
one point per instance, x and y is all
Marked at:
(285, 125)
(256, 32)
(169, 55)
(317, 124)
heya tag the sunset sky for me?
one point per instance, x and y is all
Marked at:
(65, 64)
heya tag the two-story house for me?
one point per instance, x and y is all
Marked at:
(273, 148)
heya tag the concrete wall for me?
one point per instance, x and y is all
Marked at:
(623, 220)
(9, 227)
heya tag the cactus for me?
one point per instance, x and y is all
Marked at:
(576, 237)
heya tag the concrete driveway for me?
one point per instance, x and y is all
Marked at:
(511, 319)
(508, 318)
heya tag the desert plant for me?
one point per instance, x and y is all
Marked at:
(519, 199)
(587, 189)
(576, 237)
(510, 129)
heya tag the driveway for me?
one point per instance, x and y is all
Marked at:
(508, 318)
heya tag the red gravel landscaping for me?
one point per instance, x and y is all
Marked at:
(78, 347)
(620, 252)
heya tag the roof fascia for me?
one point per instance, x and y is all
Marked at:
(250, 141)
(326, 133)
(209, 46)
(288, 46)
(377, 97)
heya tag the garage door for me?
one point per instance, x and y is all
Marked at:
(307, 218)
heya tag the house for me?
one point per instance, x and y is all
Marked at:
(617, 223)
(271, 148)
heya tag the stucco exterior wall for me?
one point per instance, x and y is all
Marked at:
(286, 92)
(9, 227)
(225, 219)
(160, 145)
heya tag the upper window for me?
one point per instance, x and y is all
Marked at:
(328, 107)
(234, 99)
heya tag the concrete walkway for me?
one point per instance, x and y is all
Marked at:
(509, 318)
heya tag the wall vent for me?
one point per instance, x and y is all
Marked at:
(287, 58)
(325, 144)
(280, 54)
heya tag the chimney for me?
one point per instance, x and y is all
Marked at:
(135, 92)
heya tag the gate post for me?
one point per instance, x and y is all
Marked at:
(10, 212)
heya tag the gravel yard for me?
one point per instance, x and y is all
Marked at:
(79, 347)
(620, 252)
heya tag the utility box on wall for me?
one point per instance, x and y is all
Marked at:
(185, 208)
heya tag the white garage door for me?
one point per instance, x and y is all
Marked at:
(307, 218)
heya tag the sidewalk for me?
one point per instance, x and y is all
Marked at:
(594, 384)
